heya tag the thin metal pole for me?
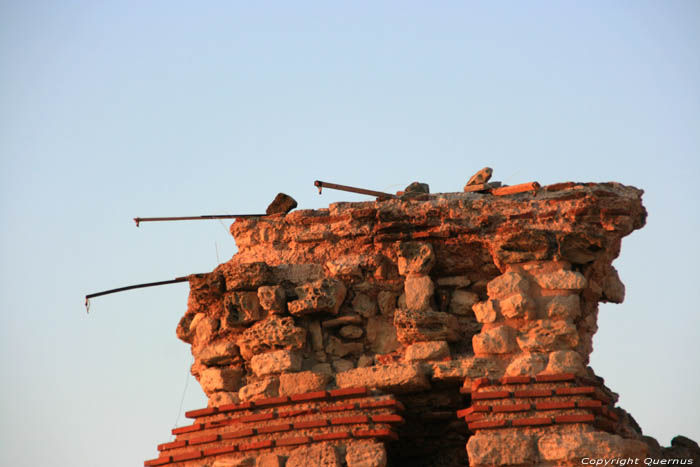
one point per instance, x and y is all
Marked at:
(138, 220)
(130, 287)
(321, 185)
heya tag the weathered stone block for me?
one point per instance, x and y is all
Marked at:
(381, 335)
(462, 302)
(486, 312)
(508, 284)
(561, 280)
(272, 298)
(387, 302)
(218, 354)
(613, 288)
(271, 333)
(394, 378)
(415, 258)
(419, 291)
(351, 332)
(417, 326)
(364, 305)
(321, 454)
(259, 389)
(366, 454)
(573, 447)
(241, 308)
(304, 381)
(565, 361)
(471, 367)
(454, 281)
(276, 361)
(494, 448)
(220, 379)
(247, 276)
(338, 348)
(496, 340)
(322, 296)
(546, 335)
(563, 306)
(517, 306)
(434, 350)
(527, 364)
(282, 204)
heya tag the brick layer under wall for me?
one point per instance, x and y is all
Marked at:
(281, 424)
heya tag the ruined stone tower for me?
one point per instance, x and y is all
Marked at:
(427, 330)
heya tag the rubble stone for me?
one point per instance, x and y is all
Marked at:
(321, 296)
(276, 361)
(415, 258)
(419, 291)
(366, 454)
(434, 350)
(462, 302)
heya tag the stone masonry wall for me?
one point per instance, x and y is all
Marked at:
(431, 329)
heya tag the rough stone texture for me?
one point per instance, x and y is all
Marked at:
(418, 296)
(494, 448)
(461, 302)
(394, 378)
(321, 296)
(599, 445)
(433, 350)
(366, 455)
(277, 361)
(220, 379)
(321, 455)
(304, 381)
(273, 333)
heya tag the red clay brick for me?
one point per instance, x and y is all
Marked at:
(234, 407)
(589, 404)
(574, 418)
(271, 401)
(387, 418)
(348, 392)
(310, 424)
(516, 379)
(293, 441)
(187, 429)
(172, 445)
(309, 396)
(381, 433)
(576, 390)
(464, 390)
(203, 439)
(219, 450)
(159, 461)
(464, 412)
(274, 428)
(201, 412)
(257, 445)
(555, 405)
(258, 417)
(533, 393)
(487, 424)
(511, 407)
(331, 436)
(479, 382)
(490, 395)
(294, 413)
(556, 377)
(349, 420)
(238, 434)
(186, 456)
(474, 417)
(338, 408)
(532, 421)
(388, 403)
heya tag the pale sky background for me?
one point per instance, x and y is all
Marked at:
(111, 110)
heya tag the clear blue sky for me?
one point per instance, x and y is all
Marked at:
(111, 110)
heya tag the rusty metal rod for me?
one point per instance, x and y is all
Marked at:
(321, 185)
(130, 287)
(138, 220)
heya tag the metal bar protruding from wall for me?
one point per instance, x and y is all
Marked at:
(138, 220)
(130, 287)
(321, 185)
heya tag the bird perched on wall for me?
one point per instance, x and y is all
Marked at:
(482, 176)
